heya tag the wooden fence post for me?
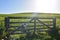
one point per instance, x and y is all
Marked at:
(6, 23)
(7, 26)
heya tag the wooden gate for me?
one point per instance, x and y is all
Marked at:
(20, 25)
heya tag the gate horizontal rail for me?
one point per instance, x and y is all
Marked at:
(30, 17)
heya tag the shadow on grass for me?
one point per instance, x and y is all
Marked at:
(33, 36)
(53, 33)
(29, 37)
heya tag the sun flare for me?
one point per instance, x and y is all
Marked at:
(45, 5)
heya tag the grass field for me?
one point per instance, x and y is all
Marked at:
(44, 15)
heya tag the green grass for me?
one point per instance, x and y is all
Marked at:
(2, 18)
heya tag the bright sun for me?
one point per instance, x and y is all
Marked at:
(45, 5)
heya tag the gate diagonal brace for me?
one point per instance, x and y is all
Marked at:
(23, 27)
(43, 23)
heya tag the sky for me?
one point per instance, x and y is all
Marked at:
(16, 6)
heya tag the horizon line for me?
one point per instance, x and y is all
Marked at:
(29, 12)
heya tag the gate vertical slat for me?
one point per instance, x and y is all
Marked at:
(54, 23)
(34, 25)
